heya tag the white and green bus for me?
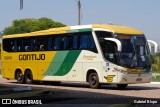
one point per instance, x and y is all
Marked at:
(97, 54)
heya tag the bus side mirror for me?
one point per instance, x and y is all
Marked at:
(119, 45)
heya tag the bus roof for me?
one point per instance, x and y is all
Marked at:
(118, 29)
(80, 28)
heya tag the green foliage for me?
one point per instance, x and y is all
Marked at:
(156, 63)
(157, 79)
(29, 25)
(0, 33)
(0, 51)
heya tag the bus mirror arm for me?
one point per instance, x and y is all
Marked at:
(119, 45)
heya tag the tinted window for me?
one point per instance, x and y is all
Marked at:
(51, 43)
(87, 42)
(109, 49)
(74, 41)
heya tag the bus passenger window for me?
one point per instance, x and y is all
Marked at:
(87, 42)
(57, 43)
(75, 42)
(35, 45)
(66, 42)
(20, 45)
(27, 48)
(7, 45)
(51, 43)
(83, 42)
(72, 40)
(91, 43)
(42, 43)
(14, 46)
(41, 47)
(27, 45)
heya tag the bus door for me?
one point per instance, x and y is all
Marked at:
(110, 54)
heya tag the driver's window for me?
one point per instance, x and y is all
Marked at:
(110, 51)
(108, 48)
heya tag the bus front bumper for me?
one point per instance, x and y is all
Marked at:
(134, 78)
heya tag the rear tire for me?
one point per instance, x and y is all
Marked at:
(19, 77)
(28, 77)
(94, 80)
(122, 86)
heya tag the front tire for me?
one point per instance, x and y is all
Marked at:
(28, 77)
(94, 81)
(122, 86)
(19, 77)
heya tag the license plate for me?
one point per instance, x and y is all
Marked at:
(139, 79)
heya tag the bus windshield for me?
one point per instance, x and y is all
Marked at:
(135, 52)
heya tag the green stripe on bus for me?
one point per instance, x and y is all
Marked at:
(68, 63)
(72, 31)
(85, 30)
(56, 62)
(79, 30)
(62, 63)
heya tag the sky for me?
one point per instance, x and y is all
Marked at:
(141, 14)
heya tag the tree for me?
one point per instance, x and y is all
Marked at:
(156, 63)
(1, 34)
(29, 25)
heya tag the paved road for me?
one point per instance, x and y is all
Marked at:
(147, 90)
(110, 92)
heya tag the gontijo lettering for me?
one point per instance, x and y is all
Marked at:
(32, 57)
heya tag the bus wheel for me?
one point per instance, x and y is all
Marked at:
(19, 77)
(28, 77)
(93, 80)
(122, 86)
